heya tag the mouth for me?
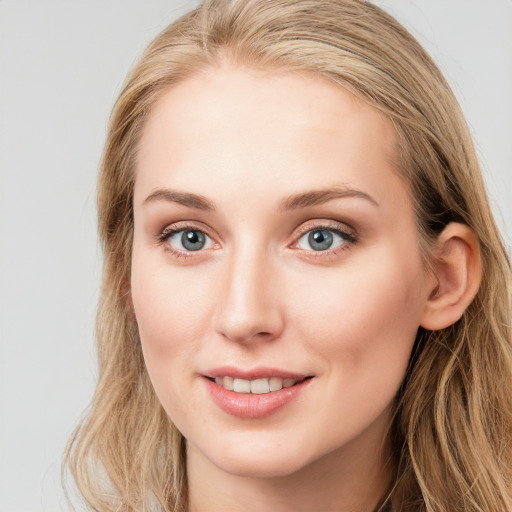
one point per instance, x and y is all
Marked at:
(258, 386)
(254, 394)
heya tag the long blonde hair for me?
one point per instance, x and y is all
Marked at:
(452, 432)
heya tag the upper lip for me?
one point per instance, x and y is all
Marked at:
(260, 372)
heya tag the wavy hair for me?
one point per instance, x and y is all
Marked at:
(452, 428)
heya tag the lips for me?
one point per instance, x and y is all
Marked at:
(255, 393)
(255, 373)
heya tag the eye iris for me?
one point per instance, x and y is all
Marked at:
(193, 240)
(320, 240)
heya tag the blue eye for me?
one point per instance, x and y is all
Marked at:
(322, 240)
(189, 240)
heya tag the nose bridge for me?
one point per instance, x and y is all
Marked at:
(248, 304)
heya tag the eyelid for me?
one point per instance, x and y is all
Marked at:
(327, 224)
(168, 231)
(175, 227)
(345, 231)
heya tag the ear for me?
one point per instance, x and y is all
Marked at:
(457, 274)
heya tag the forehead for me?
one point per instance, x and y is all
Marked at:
(249, 126)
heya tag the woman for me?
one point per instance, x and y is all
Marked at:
(306, 301)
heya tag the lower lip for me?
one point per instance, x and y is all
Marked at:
(253, 406)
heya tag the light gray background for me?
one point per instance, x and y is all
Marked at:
(61, 66)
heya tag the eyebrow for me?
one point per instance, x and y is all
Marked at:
(316, 197)
(293, 202)
(183, 198)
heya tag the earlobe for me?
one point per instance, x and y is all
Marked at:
(457, 271)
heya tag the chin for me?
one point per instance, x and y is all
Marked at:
(258, 468)
(252, 460)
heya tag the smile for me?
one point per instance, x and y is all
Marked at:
(255, 393)
(256, 386)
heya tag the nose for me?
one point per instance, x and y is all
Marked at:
(248, 307)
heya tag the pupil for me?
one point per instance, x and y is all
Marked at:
(320, 240)
(193, 240)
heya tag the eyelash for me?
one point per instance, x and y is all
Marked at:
(348, 236)
(173, 229)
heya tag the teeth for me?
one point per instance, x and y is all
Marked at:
(242, 386)
(288, 383)
(257, 386)
(275, 383)
(228, 383)
(260, 386)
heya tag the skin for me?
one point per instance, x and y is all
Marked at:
(259, 295)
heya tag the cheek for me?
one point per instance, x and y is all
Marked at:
(169, 307)
(365, 316)
(169, 327)
(173, 313)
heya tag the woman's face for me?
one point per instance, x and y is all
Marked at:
(275, 252)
